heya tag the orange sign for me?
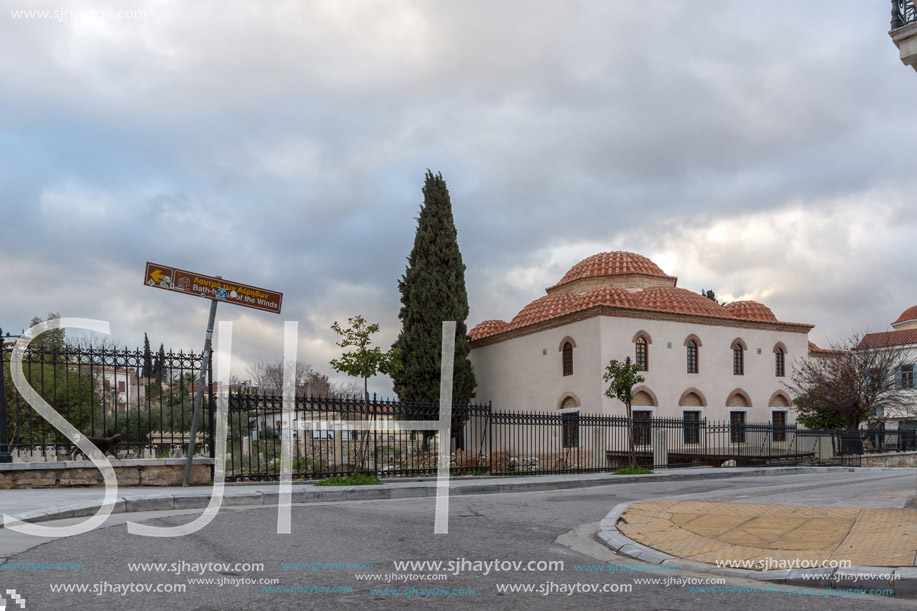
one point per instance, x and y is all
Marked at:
(209, 287)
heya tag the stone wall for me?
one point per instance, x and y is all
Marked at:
(154, 472)
(898, 459)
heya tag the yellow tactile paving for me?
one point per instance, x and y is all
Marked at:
(730, 532)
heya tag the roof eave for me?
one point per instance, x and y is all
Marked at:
(621, 312)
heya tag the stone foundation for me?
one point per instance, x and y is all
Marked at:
(81, 473)
(898, 459)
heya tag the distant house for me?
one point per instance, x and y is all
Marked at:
(117, 387)
(902, 339)
(700, 359)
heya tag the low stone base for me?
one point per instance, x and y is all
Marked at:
(152, 472)
(897, 459)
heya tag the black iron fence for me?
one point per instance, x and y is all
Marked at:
(336, 436)
(339, 435)
(103, 392)
(149, 402)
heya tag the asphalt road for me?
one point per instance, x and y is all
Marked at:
(521, 527)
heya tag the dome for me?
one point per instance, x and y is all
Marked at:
(679, 301)
(611, 264)
(751, 310)
(908, 315)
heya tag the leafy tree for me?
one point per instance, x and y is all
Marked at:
(432, 291)
(810, 413)
(623, 377)
(852, 384)
(47, 370)
(50, 343)
(364, 362)
(709, 294)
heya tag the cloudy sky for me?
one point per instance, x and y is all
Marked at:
(758, 149)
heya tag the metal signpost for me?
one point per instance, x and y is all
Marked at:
(216, 289)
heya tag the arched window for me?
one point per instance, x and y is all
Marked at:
(568, 359)
(692, 356)
(779, 362)
(738, 359)
(642, 356)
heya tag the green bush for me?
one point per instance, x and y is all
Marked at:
(354, 479)
(633, 471)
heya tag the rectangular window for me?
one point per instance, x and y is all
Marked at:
(570, 429)
(120, 385)
(778, 419)
(907, 376)
(737, 427)
(738, 360)
(107, 384)
(692, 357)
(568, 359)
(642, 427)
(641, 354)
(691, 423)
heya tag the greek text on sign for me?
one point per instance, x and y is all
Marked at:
(182, 281)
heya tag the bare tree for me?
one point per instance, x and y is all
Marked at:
(853, 383)
(346, 389)
(267, 378)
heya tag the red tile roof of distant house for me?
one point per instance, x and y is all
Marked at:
(908, 314)
(886, 339)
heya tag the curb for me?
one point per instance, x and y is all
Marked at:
(309, 493)
(901, 580)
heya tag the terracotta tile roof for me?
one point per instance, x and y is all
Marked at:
(814, 349)
(680, 301)
(615, 263)
(554, 305)
(667, 299)
(751, 310)
(886, 339)
(488, 327)
(908, 314)
(558, 304)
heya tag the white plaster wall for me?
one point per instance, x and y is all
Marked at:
(516, 374)
(525, 373)
(668, 378)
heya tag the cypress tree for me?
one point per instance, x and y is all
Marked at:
(147, 358)
(160, 364)
(432, 291)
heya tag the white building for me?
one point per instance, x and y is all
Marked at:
(902, 339)
(701, 360)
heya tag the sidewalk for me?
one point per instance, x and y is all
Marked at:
(39, 505)
(773, 543)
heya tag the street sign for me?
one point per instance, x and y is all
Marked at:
(209, 287)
